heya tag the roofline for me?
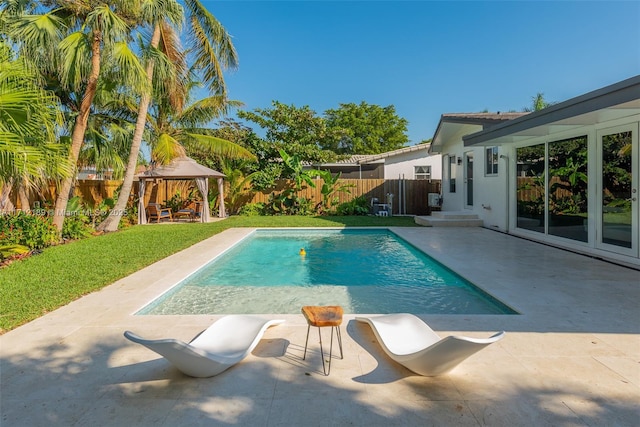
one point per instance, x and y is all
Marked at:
(402, 150)
(617, 93)
(177, 177)
(465, 119)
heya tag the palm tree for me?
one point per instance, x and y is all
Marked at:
(538, 103)
(29, 121)
(176, 133)
(213, 51)
(109, 130)
(70, 43)
(159, 15)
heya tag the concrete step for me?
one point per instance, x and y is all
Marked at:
(429, 221)
(454, 215)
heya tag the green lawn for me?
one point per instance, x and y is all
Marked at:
(61, 274)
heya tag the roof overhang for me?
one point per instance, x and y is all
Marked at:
(613, 102)
(454, 126)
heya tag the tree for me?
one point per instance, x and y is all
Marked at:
(183, 132)
(213, 51)
(29, 122)
(364, 129)
(297, 130)
(158, 15)
(538, 103)
(70, 42)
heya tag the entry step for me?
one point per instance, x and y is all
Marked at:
(449, 219)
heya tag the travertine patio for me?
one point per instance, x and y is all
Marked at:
(571, 358)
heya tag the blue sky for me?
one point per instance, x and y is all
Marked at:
(426, 57)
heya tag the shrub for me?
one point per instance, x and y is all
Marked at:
(76, 224)
(356, 206)
(32, 231)
(252, 209)
(76, 227)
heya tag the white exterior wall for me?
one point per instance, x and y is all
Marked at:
(404, 164)
(452, 201)
(489, 191)
(497, 192)
(490, 201)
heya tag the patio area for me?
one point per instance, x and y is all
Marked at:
(571, 358)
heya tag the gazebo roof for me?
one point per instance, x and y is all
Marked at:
(181, 168)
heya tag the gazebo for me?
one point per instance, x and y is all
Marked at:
(183, 168)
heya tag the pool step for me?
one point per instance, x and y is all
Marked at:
(449, 219)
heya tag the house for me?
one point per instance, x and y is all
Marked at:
(567, 175)
(412, 162)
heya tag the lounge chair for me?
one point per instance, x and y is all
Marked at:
(197, 214)
(412, 343)
(217, 348)
(156, 212)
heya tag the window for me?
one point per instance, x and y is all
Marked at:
(553, 188)
(567, 212)
(451, 170)
(491, 161)
(531, 189)
(422, 172)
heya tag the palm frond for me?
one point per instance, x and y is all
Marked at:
(166, 148)
(154, 11)
(129, 68)
(205, 110)
(111, 26)
(216, 146)
(211, 45)
(75, 50)
(37, 37)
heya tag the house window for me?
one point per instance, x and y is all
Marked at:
(422, 172)
(451, 170)
(491, 161)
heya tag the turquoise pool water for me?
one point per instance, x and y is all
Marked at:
(363, 270)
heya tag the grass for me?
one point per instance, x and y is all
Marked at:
(34, 286)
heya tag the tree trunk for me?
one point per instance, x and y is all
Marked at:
(113, 220)
(24, 199)
(5, 203)
(79, 129)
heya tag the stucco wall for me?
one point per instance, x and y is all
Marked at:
(489, 191)
(404, 164)
(452, 201)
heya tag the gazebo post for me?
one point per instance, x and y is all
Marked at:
(142, 215)
(221, 210)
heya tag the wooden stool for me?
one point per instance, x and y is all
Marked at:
(321, 316)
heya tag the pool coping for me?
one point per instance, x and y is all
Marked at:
(570, 358)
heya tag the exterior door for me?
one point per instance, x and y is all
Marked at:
(617, 193)
(468, 179)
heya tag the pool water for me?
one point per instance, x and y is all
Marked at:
(363, 270)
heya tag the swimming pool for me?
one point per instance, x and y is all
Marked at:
(363, 270)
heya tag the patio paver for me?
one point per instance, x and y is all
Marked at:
(571, 358)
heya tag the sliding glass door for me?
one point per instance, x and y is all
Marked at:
(618, 215)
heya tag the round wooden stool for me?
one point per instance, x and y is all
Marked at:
(323, 316)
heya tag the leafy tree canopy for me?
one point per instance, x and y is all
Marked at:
(365, 129)
(297, 130)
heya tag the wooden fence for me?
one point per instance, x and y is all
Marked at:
(414, 201)
(529, 189)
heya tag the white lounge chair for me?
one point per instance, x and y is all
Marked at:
(412, 343)
(217, 348)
